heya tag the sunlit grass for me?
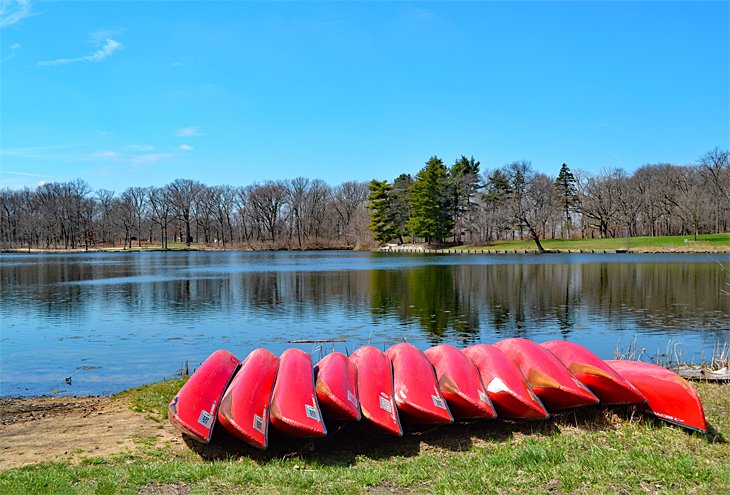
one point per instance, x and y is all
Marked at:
(155, 397)
(588, 451)
(630, 243)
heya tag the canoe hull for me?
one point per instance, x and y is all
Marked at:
(551, 381)
(608, 385)
(670, 397)
(507, 388)
(294, 407)
(194, 410)
(375, 390)
(336, 385)
(460, 383)
(244, 409)
(417, 393)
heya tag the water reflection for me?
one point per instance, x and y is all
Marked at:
(427, 295)
(141, 315)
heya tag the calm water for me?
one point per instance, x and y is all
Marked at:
(111, 321)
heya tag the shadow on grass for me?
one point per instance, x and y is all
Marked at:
(346, 442)
(714, 435)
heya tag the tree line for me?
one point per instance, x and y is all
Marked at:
(461, 204)
(282, 214)
(457, 204)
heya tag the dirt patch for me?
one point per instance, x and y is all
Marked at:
(71, 429)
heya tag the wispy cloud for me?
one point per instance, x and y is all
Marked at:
(139, 147)
(104, 154)
(37, 151)
(186, 147)
(187, 132)
(12, 11)
(110, 46)
(101, 35)
(24, 174)
(151, 158)
(13, 49)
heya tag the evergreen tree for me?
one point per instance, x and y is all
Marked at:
(431, 212)
(464, 184)
(497, 187)
(566, 191)
(401, 205)
(382, 218)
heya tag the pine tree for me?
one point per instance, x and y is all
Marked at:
(566, 192)
(401, 205)
(464, 184)
(431, 213)
(382, 217)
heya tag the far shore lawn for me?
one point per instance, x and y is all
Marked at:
(659, 243)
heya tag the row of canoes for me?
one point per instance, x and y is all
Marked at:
(513, 379)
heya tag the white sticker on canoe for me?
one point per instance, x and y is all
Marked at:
(483, 396)
(386, 404)
(497, 385)
(351, 397)
(206, 419)
(258, 423)
(312, 412)
(438, 402)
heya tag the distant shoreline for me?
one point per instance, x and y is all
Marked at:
(405, 249)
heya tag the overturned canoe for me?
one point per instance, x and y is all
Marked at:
(194, 409)
(375, 390)
(460, 383)
(670, 397)
(244, 409)
(294, 407)
(608, 385)
(510, 393)
(417, 393)
(336, 385)
(551, 381)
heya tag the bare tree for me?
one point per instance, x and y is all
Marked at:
(136, 199)
(600, 200)
(160, 205)
(267, 202)
(715, 167)
(226, 196)
(316, 210)
(346, 199)
(296, 197)
(183, 194)
(529, 199)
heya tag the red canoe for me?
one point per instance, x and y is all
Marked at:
(195, 407)
(595, 374)
(336, 385)
(294, 407)
(417, 393)
(375, 390)
(553, 383)
(460, 383)
(506, 387)
(670, 397)
(244, 409)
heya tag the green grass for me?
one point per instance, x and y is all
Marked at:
(659, 242)
(589, 451)
(153, 398)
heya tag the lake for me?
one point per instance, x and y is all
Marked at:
(110, 321)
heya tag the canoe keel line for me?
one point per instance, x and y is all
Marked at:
(513, 379)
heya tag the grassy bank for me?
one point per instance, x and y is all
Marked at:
(588, 451)
(707, 242)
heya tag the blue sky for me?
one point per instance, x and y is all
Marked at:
(140, 93)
